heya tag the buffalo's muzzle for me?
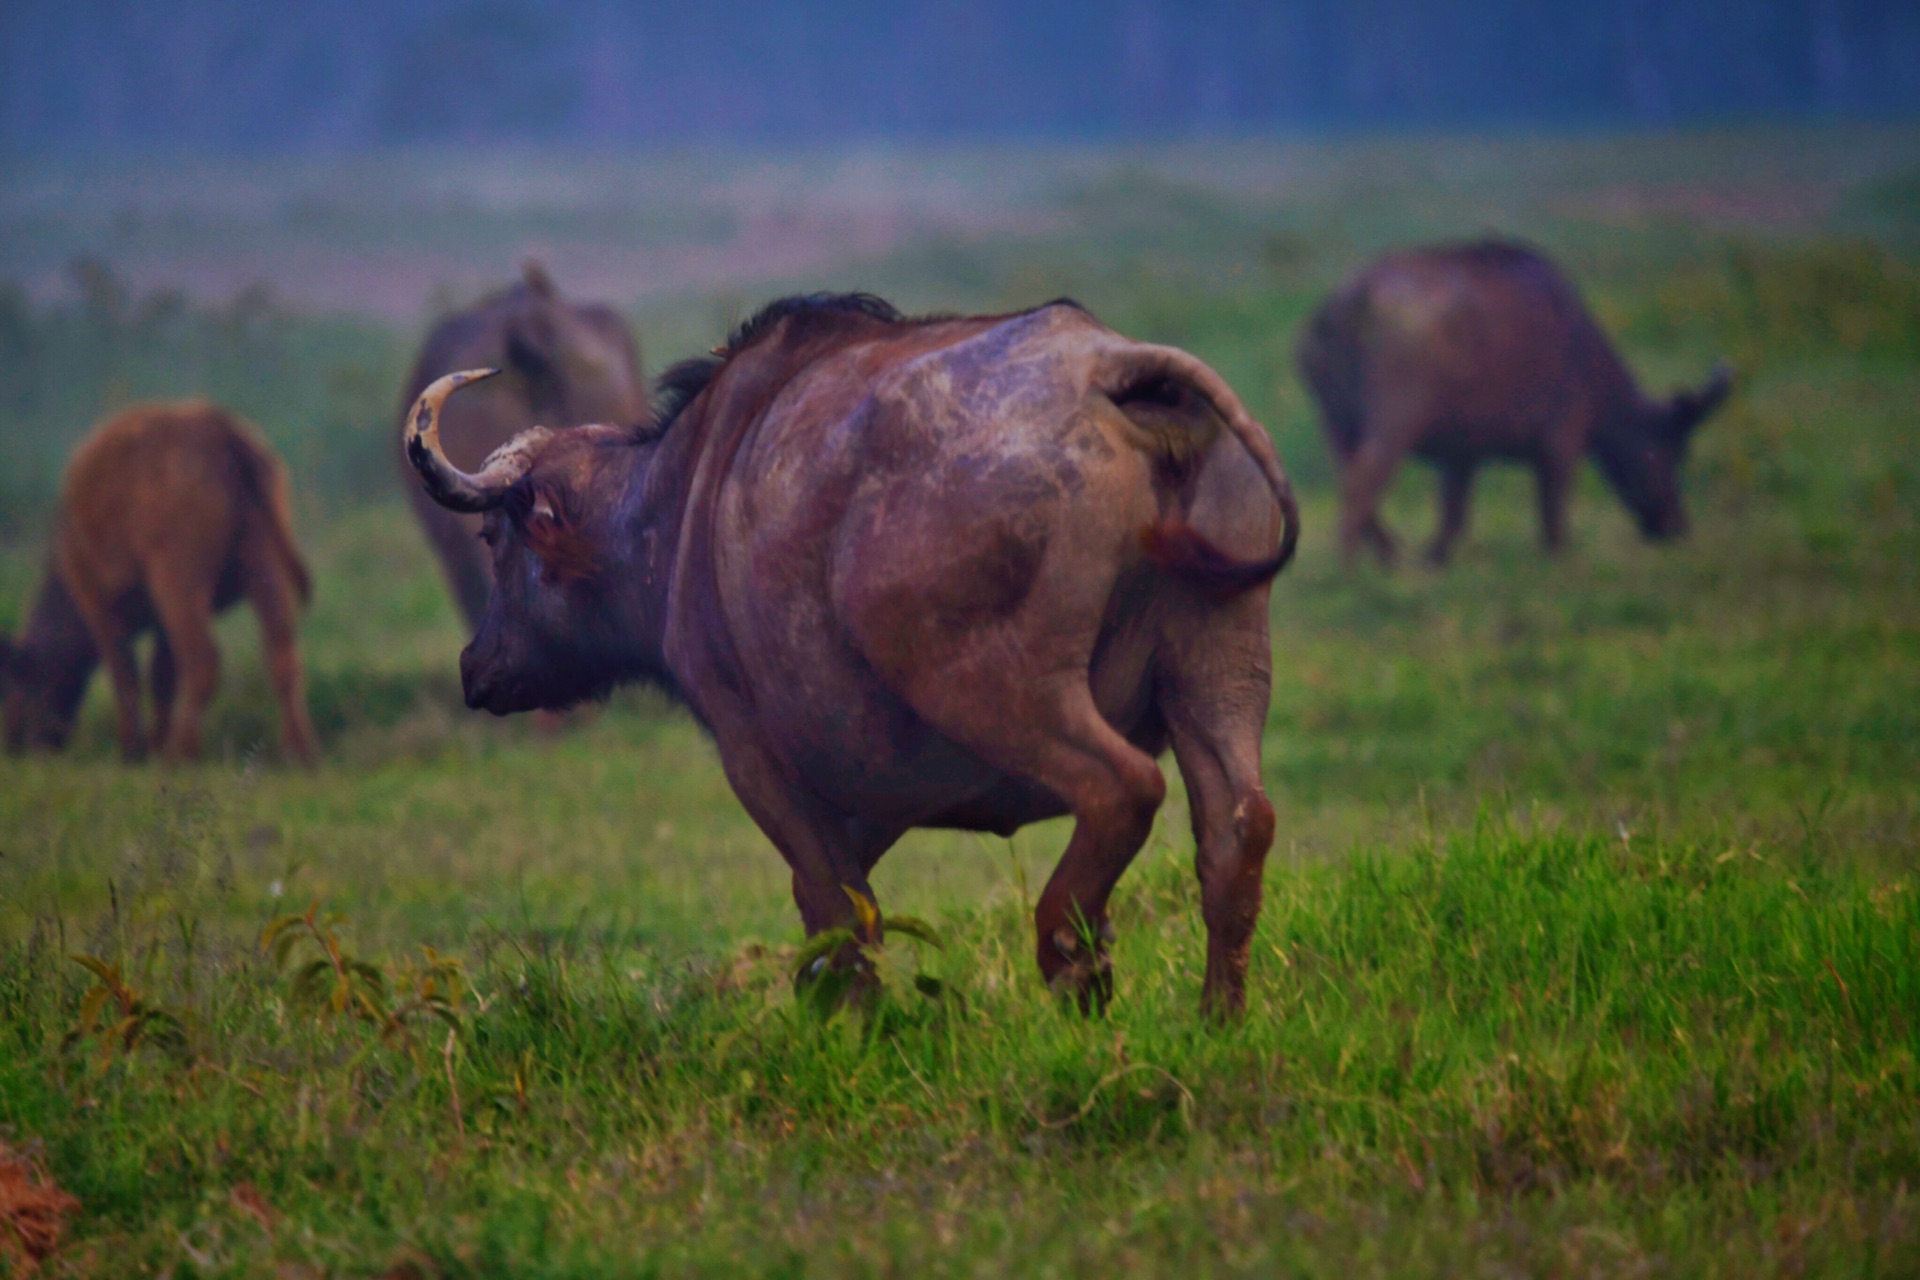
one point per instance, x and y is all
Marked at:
(477, 682)
(1665, 528)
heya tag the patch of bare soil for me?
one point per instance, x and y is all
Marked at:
(33, 1212)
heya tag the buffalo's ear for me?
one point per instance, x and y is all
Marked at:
(1691, 407)
(566, 552)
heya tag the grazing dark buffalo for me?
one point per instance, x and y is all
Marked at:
(564, 364)
(918, 573)
(1471, 353)
(169, 514)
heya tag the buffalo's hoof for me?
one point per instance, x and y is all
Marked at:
(830, 984)
(1084, 974)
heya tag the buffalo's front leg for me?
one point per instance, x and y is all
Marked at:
(1554, 474)
(1456, 489)
(828, 853)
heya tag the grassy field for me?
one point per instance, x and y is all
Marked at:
(1592, 940)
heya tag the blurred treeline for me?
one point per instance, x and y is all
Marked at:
(322, 388)
(343, 74)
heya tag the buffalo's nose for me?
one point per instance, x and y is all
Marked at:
(1663, 526)
(474, 682)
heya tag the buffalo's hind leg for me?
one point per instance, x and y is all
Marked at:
(1216, 682)
(185, 606)
(162, 679)
(116, 652)
(1363, 483)
(1052, 733)
(274, 604)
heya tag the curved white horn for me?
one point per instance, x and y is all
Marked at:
(447, 484)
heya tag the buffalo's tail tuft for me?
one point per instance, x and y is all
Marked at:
(1181, 551)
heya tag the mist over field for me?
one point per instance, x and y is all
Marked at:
(1591, 938)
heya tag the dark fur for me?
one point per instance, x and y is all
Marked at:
(1483, 352)
(564, 363)
(677, 387)
(981, 574)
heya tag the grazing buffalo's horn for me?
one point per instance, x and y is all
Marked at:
(447, 484)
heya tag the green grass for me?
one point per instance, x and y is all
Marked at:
(1461, 1050)
(1591, 942)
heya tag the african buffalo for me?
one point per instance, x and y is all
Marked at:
(945, 572)
(565, 364)
(169, 514)
(1468, 353)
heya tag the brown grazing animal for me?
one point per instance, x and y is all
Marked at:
(950, 572)
(1471, 353)
(564, 363)
(169, 514)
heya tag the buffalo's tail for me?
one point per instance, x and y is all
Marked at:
(1173, 543)
(268, 480)
(1325, 357)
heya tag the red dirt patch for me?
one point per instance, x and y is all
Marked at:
(33, 1212)
(247, 1199)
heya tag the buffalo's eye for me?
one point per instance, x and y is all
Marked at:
(518, 502)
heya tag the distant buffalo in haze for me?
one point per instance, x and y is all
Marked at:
(169, 514)
(965, 572)
(1474, 353)
(563, 364)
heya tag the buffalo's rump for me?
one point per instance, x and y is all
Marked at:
(896, 518)
(1477, 351)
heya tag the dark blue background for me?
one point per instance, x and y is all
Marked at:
(88, 75)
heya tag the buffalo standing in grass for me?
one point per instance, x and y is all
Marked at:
(1477, 352)
(168, 515)
(959, 573)
(564, 364)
